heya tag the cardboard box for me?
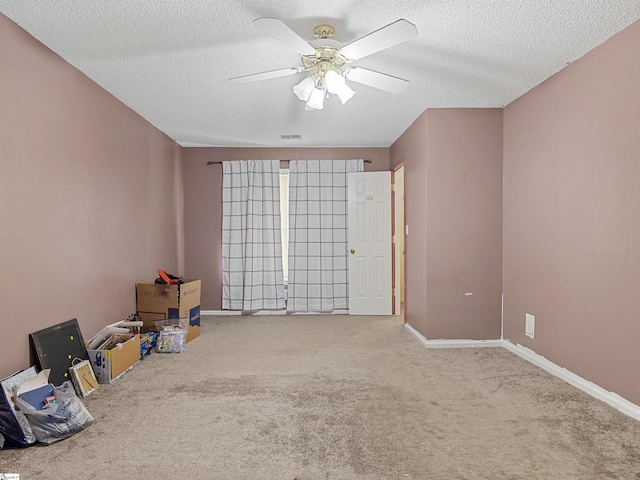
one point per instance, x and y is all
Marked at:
(161, 302)
(110, 364)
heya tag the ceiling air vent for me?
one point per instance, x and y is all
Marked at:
(290, 137)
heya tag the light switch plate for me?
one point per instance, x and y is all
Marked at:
(530, 325)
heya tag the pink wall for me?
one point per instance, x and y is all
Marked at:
(411, 149)
(572, 216)
(90, 198)
(464, 223)
(203, 203)
(453, 194)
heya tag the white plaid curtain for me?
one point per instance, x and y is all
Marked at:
(252, 276)
(318, 230)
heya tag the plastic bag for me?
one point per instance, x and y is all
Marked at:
(171, 340)
(14, 427)
(58, 421)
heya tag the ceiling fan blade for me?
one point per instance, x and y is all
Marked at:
(378, 80)
(255, 77)
(386, 37)
(277, 29)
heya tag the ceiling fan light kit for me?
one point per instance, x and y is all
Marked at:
(326, 61)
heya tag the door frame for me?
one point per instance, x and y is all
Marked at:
(398, 244)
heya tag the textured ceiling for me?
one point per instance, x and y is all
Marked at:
(170, 61)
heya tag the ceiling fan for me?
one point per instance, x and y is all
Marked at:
(327, 61)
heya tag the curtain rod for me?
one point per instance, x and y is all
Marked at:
(210, 162)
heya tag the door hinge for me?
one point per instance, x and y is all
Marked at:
(393, 239)
(393, 187)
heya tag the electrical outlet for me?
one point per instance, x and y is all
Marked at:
(529, 325)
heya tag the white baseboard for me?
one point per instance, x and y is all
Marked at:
(269, 312)
(219, 312)
(610, 398)
(451, 343)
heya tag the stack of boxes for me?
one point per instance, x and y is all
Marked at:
(162, 302)
(154, 302)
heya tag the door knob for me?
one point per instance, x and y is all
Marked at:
(353, 250)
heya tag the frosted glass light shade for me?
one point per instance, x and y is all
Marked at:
(336, 84)
(304, 88)
(316, 100)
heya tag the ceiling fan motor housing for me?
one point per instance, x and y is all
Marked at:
(327, 55)
(324, 31)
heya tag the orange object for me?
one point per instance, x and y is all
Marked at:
(169, 279)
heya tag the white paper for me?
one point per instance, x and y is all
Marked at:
(38, 381)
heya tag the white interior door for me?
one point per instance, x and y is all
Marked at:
(370, 243)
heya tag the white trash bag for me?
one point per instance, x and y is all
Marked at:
(60, 420)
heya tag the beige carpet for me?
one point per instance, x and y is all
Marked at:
(337, 397)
